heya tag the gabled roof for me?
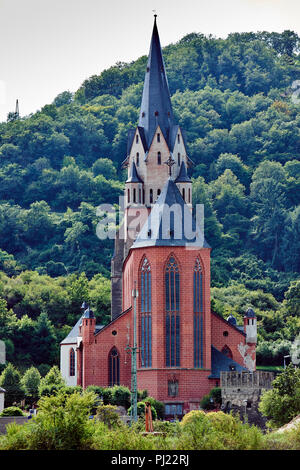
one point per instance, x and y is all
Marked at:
(170, 222)
(72, 336)
(130, 137)
(183, 176)
(156, 107)
(220, 362)
(133, 176)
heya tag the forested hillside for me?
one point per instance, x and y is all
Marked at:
(235, 99)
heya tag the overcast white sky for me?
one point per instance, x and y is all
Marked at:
(48, 46)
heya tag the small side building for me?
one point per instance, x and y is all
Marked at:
(241, 392)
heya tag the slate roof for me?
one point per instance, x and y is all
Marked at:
(220, 362)
(2, 390)
(72, 336)
(183, 176)
(133, 175)
(170, 222)
(250, 313)
(156, 107)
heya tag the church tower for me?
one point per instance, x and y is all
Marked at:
(160, 249)
(156, 140)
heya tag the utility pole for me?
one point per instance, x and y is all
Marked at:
(133, 351)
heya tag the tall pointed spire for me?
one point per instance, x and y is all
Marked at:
(156, 107)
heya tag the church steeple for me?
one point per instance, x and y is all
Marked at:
(156, 107)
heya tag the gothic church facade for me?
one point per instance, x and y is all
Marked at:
(182, 345)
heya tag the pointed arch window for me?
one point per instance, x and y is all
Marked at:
(146, 320)
(137, 159)
(172, 292)
(128, 195)
(198, 315)
(158, 158)
(114, 367)
(178, 156)
(72, 363)
(151, 196)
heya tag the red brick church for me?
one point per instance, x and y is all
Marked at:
(182, 345)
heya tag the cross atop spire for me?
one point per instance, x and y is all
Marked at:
(156, 107)
(170, 162)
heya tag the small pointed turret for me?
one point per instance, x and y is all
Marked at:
(183, 176)
(133, 176)
(156, 107)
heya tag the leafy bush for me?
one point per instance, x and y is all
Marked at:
(10, 380)
(217, 430)
(141, 407)
(206, 403)
(12, 411)
(108, 415)
(213, 399)
(121, 396)
(61, 423)
(156, 405)
(282, 403)
(51, 383)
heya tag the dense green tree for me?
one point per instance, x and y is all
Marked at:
(44, 344)
(282, 403)
(10, 381)
(212, 227)
(30, 382)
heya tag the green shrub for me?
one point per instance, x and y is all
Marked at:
(141, 394)
(206, 403)
(282, 403)
(213, 399)
(217, 431)
(43, 369)
(121, 439)
(192, 417)
(10, 380)
(121, 396)
(157, 405)
(141, 407)
(216, 395)
(108, 415)
(12, 411)
(51, 383)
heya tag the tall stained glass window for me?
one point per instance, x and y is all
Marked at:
(145, 327)
(172, 288)
(114, 367)
(198, 315)
(72, 363)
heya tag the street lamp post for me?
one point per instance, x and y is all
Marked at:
(133, 351)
